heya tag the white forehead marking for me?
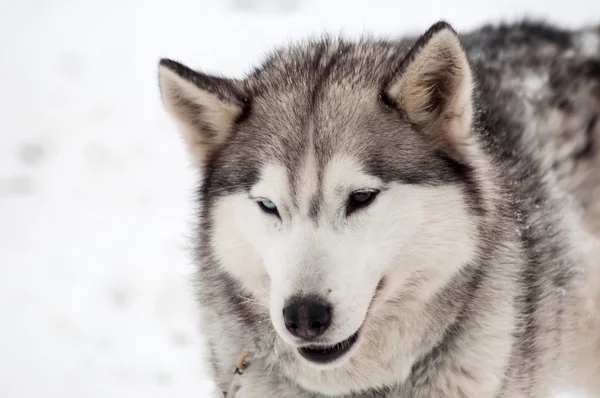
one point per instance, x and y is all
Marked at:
(274, 181)
(341, 175)
(344, 172)
(273, 184)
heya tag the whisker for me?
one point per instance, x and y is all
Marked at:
(253, 301)
(374, 346)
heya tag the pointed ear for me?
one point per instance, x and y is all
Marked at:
(433, 89)
(206, 107)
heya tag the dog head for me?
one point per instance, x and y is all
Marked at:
(337, 180)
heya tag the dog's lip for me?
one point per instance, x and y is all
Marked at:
(323, 354)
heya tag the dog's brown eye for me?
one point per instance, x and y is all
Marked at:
(360, 199)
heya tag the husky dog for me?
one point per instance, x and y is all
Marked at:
(409, 218)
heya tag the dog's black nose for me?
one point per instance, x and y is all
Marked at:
(307, 317)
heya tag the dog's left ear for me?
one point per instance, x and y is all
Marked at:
(433, 89)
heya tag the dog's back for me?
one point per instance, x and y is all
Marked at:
(549, 80)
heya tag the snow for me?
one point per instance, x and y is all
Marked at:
(590, 43)
(96, 189)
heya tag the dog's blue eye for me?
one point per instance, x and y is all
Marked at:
(268, 206)
(360, 199)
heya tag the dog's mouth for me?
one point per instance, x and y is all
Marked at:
(323, 354)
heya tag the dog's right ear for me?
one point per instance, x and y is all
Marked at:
(206, 107)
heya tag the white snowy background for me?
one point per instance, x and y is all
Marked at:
(96, 188)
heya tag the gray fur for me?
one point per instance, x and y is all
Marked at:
(536, 132)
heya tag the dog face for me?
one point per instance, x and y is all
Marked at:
(336, 181)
